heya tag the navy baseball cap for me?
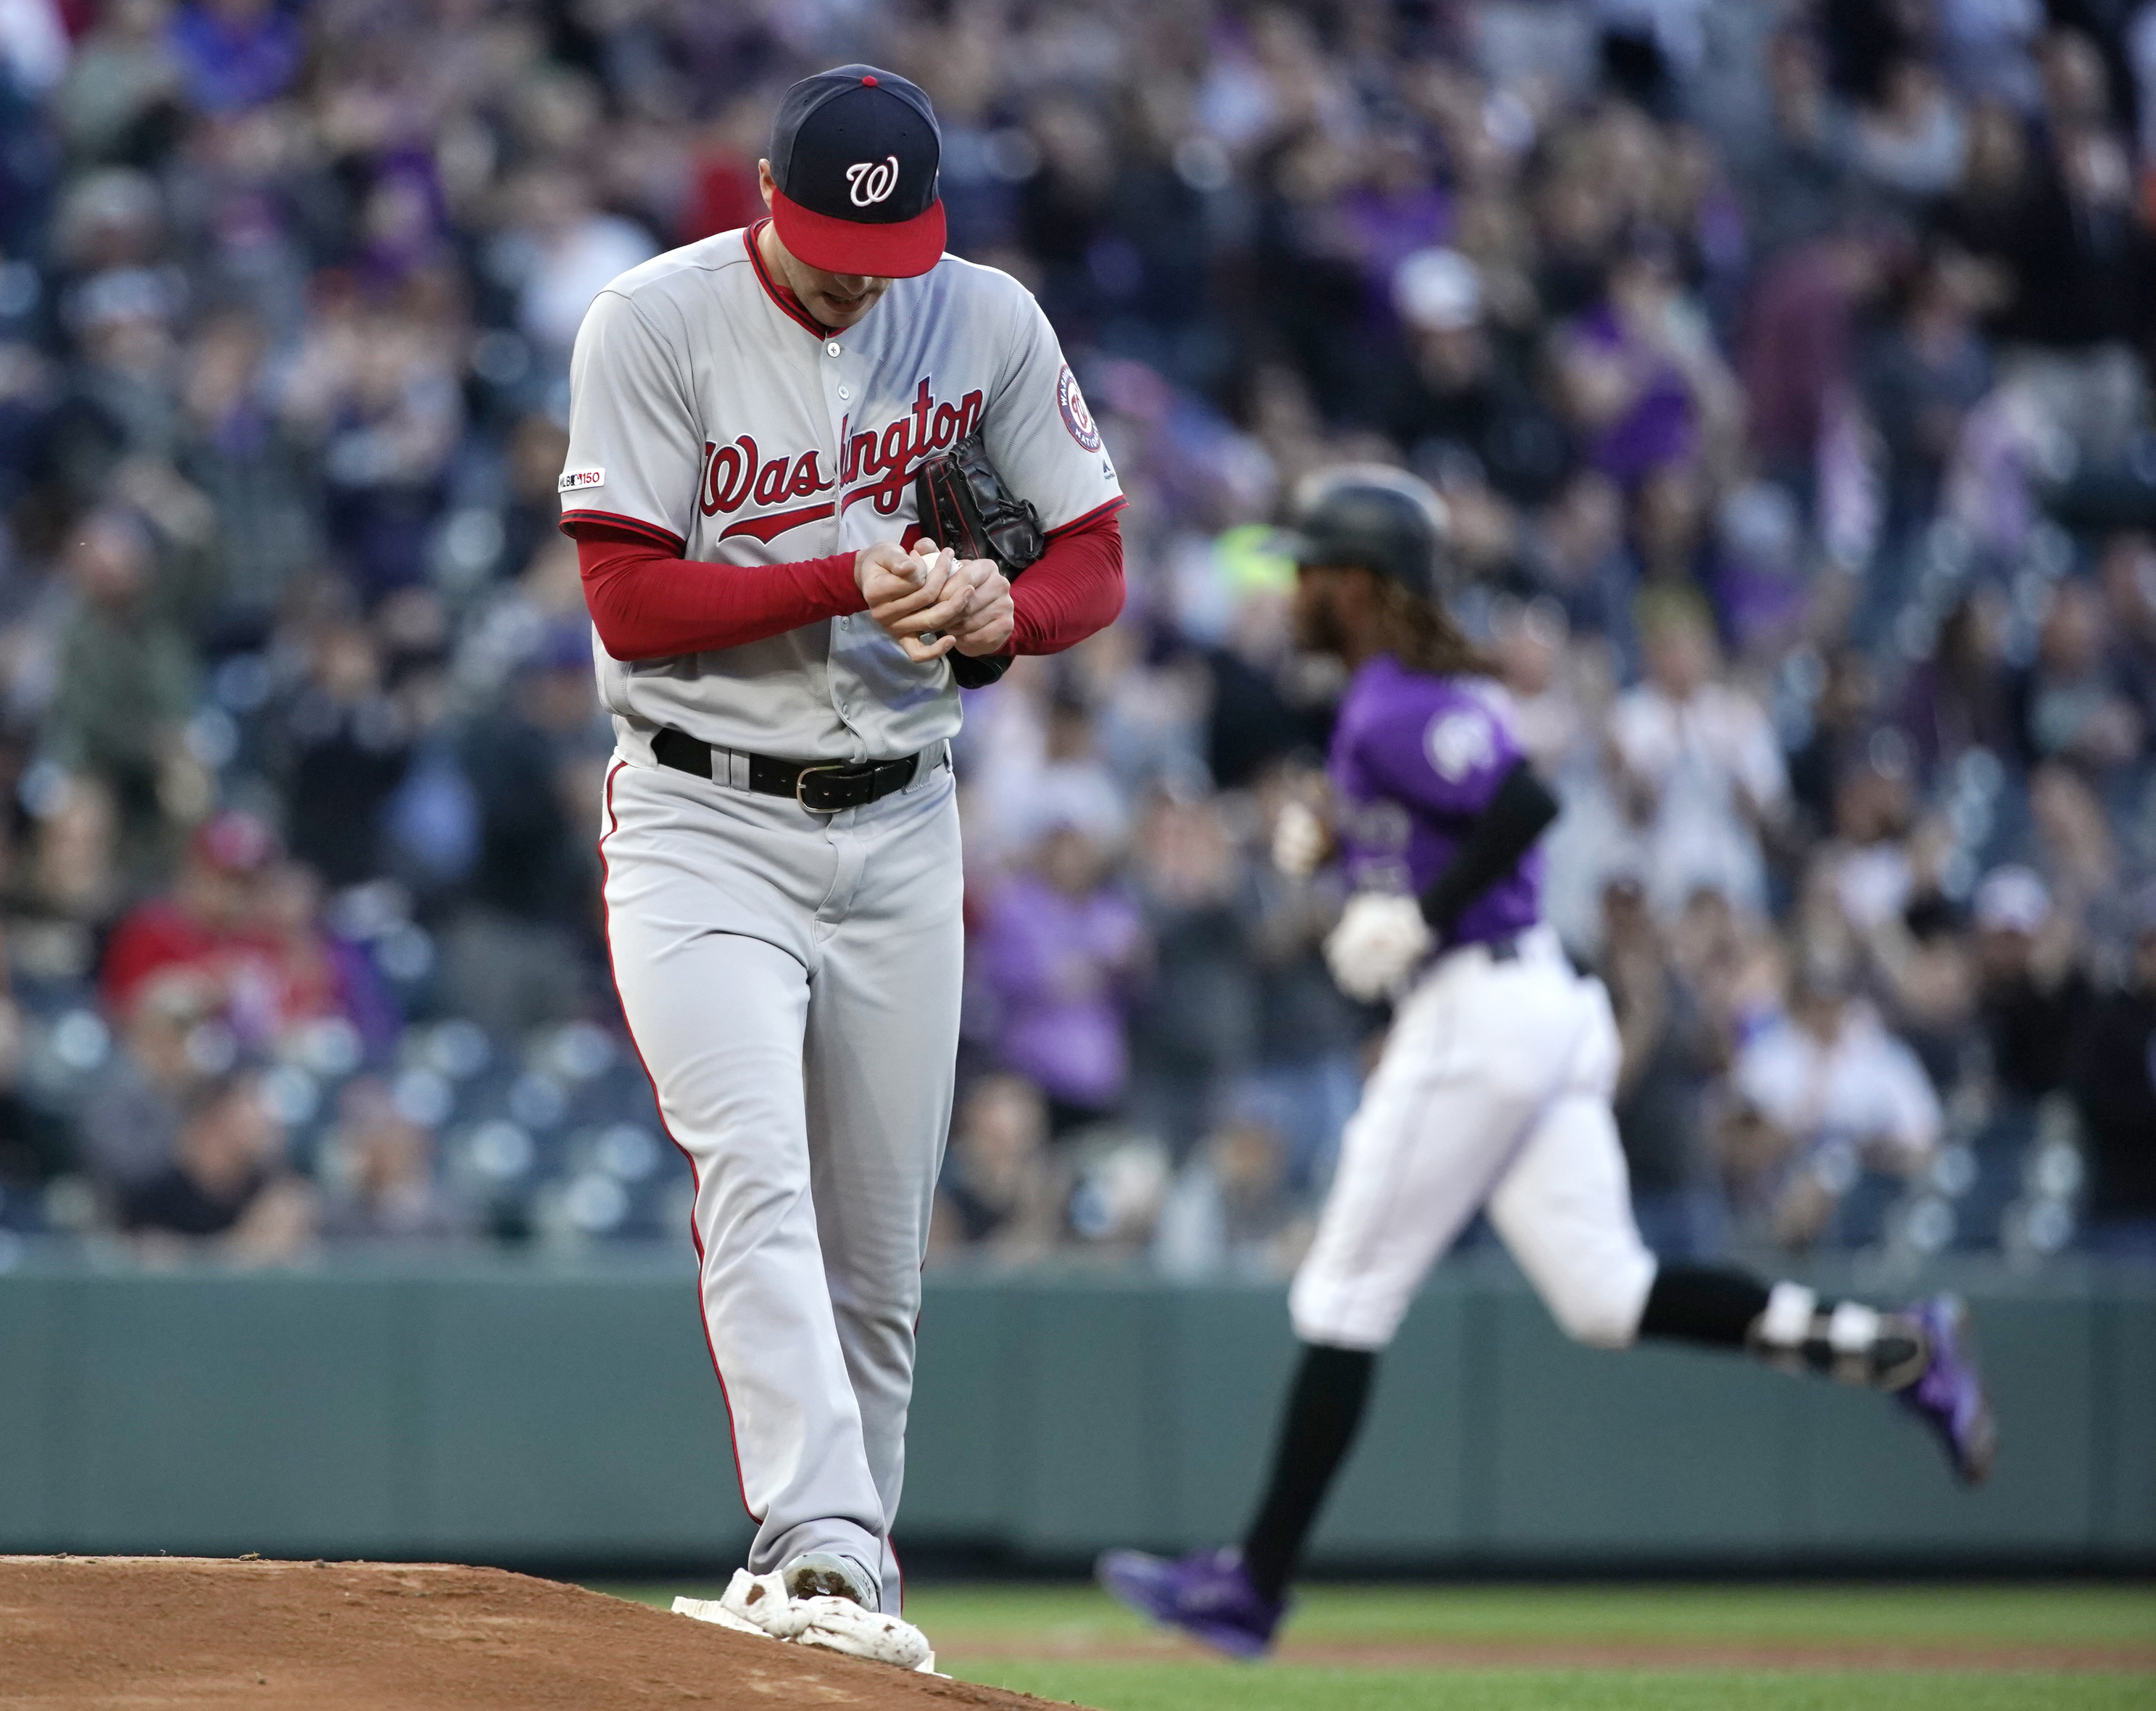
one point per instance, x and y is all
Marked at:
(854, 153)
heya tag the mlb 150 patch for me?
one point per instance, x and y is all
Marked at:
(572, 480)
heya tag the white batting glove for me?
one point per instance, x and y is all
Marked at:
(1300, 840)
(1379, 944)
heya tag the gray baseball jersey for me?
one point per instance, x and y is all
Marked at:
(710, 413)
(792, 978)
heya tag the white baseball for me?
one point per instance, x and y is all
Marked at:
(930, 572)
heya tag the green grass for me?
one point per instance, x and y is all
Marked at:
(1130, 1687)
(1997, 1615)
(1073, 1644)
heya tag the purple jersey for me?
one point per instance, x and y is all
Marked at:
(1414, 759)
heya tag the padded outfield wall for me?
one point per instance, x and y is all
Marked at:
(502, 1411)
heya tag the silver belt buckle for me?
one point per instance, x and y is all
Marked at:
(801, 779)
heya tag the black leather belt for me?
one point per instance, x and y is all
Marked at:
(821, 786)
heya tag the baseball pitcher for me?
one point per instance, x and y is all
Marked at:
(779, 647)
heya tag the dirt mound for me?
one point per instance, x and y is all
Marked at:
(150, 1633)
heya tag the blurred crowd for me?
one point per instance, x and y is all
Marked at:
(1784, 368)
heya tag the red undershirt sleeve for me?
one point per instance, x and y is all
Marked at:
(648, 604)
(1072, 589)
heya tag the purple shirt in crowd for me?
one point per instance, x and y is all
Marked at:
(1660, 427)
(1414, 760)
(1058, 965)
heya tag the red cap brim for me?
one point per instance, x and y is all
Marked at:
(896, 251)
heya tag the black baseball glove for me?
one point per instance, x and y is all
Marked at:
(964, 505)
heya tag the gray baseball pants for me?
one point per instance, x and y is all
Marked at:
(792, 981)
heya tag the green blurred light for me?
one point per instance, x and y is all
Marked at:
(1248, 559)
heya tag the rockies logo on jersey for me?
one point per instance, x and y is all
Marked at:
(871, 182)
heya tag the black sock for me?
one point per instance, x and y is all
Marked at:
(1716, 1305)
(1325, 1406)
(1727, 1309)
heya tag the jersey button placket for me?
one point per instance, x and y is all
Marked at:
(836, 671)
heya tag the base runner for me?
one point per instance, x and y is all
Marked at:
(780, 830)
(1493, 1091)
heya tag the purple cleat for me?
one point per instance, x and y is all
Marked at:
(1948, 1395)
(1207, 1594)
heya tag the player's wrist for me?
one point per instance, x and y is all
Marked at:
(866, 562)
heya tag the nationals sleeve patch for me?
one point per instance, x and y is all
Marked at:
(1076, 416)
(572, 480)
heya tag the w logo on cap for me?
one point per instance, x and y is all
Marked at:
(877, 217)
(871, 182)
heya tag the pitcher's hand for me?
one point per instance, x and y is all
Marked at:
(985, 627)
(910, 596)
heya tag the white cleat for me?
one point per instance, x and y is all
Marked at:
(822, 1573)
(759, 1604)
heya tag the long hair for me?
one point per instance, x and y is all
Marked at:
(1425, 637)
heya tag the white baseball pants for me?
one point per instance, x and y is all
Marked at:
(791, 982)
(1493, 1091)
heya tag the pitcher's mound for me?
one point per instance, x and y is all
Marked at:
(150, 1633)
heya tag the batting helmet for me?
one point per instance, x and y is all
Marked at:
(1372, 516)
